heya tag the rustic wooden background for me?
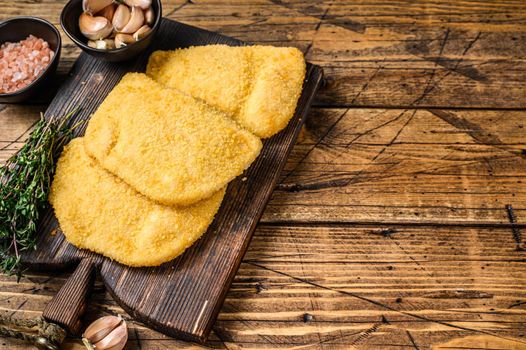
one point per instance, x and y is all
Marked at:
(389, 229)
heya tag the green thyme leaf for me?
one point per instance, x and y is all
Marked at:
(25, 180)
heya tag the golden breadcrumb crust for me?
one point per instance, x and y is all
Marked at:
(165, 144)
(258, 85)
(99, 212)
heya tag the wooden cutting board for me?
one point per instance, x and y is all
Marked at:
(181, 298)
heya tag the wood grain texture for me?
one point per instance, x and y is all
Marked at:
(405, 166)
(398, 53)
(335, 287)
(69, 304)
(454, 260)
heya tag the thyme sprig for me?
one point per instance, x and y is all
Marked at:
(25, 180)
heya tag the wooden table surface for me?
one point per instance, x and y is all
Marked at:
(389, 229)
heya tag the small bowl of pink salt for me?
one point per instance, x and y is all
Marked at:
(29, 55)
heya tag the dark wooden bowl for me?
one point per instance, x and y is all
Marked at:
(69, 20)
(19, 28)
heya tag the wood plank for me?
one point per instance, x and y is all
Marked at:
(334, 287)
(16, 122)
(402, 53)
(388, 165)
(372, 165)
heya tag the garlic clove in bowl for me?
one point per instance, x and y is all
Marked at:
(107, 12)
(143, 4)
(103, 44)
(121, 17)
(136, 21)
(94, 28)
(141, 32)
(122, 40)
(94, 6)
(149, 16)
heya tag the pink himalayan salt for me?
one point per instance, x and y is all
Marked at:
(22, 62)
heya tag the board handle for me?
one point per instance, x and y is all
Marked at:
(69, 304)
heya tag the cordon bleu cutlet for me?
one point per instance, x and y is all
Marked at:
(258, 86)
(165, 144)
(98, 211)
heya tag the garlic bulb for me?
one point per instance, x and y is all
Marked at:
(106, 333)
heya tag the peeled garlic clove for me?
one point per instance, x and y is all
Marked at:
(94, 28)
(104, 44)
(94, 6)
(107, 12)
(136, 21)
(143, 4)
(109, 44)
(115, 340)
(149, 16)
(142, 32)
(101, 328)
(122, 40)
(121, 17)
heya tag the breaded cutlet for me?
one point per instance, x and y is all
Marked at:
(98, 211)
(259, 86)
(165, 144)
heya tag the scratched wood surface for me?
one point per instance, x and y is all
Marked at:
(388, 229)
